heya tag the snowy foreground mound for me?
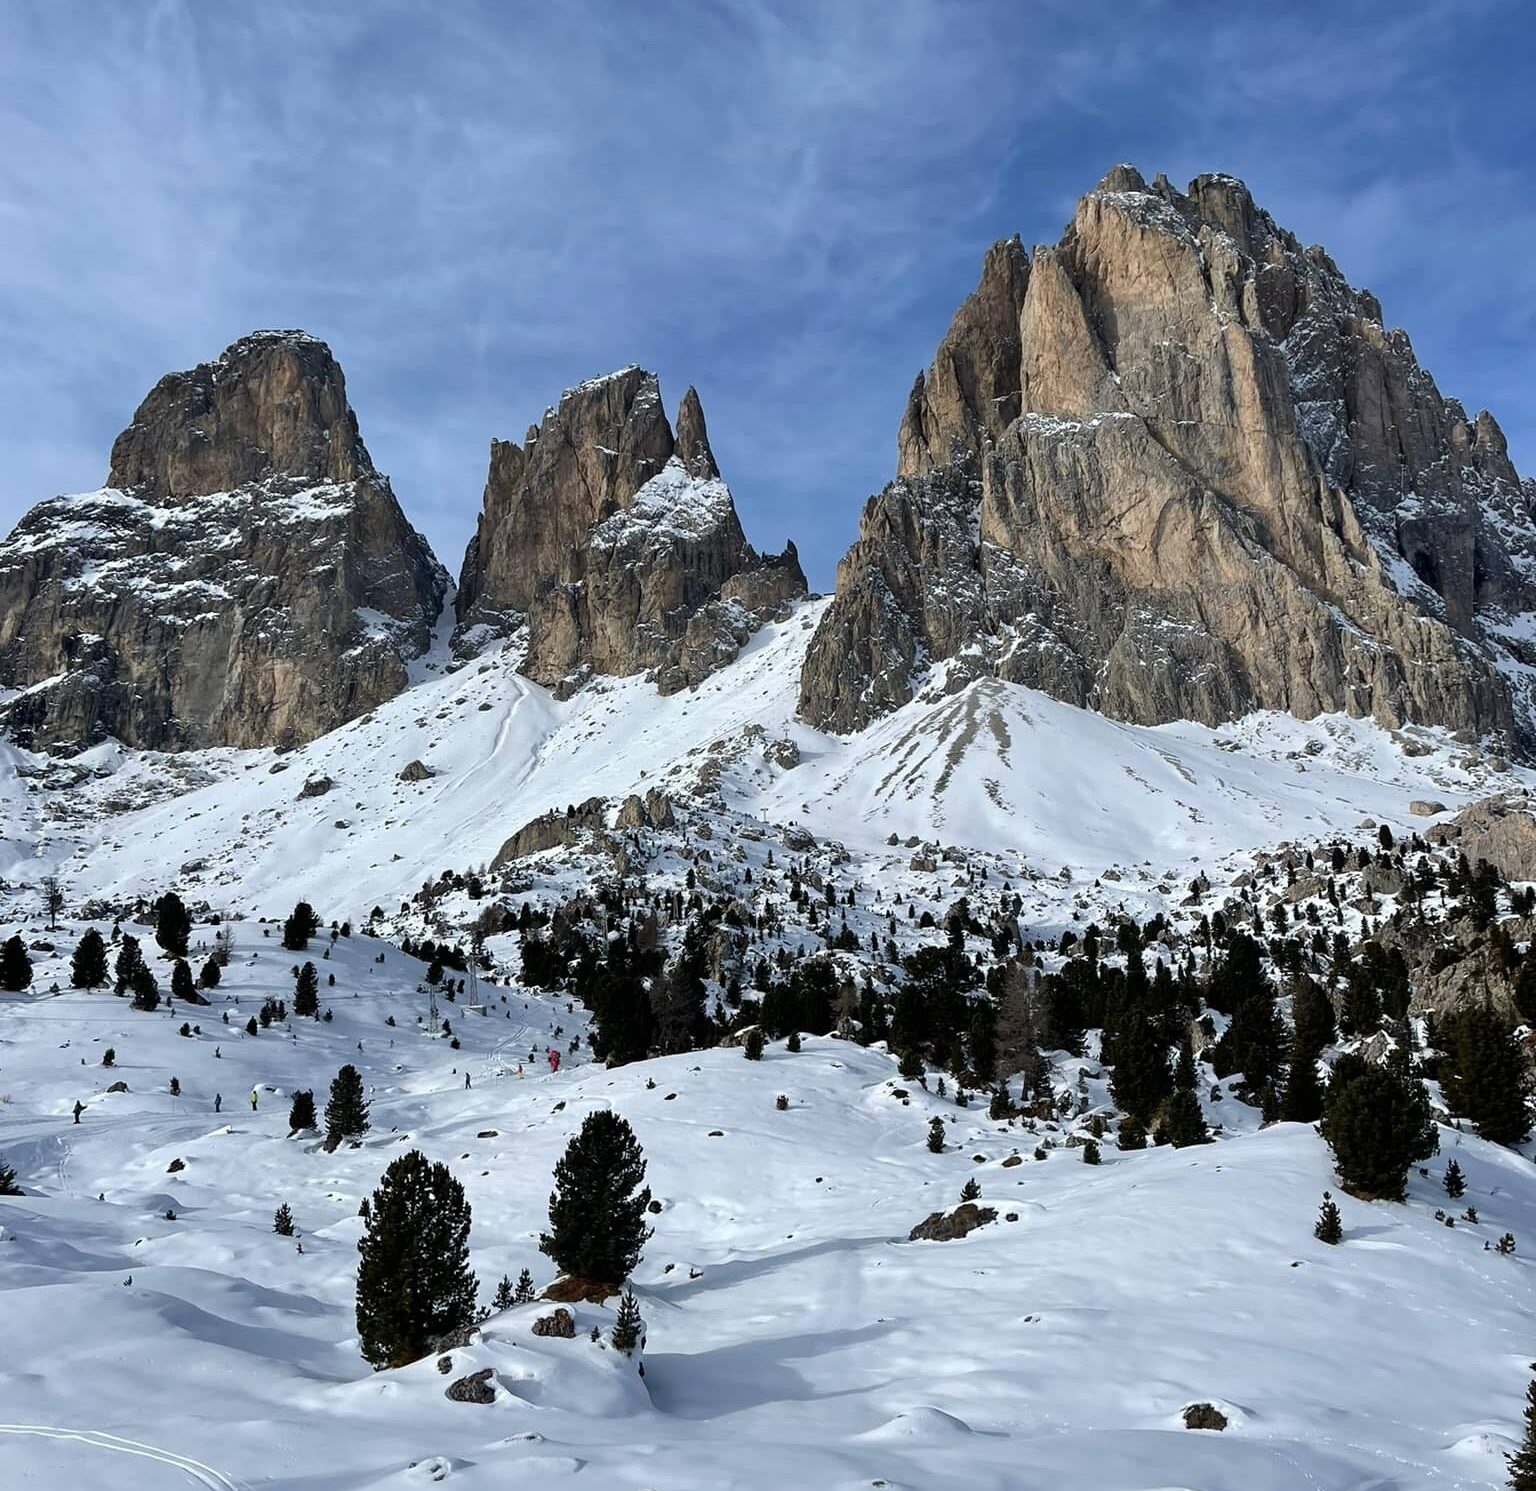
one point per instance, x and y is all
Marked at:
(795, 1338)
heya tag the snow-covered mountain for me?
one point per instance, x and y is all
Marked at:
(1042, 765)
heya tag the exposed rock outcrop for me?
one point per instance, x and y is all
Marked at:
(946, 1226)
(245, 578)
(1501, 830)
(609, 546)
(553, 830)
(1175, 467)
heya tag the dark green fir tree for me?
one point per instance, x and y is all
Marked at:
(346, 1111)
(88, 965)
(414, 1283)
(597, 1210)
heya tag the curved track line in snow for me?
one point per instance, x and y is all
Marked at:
(202, 1475)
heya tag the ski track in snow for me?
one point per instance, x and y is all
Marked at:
(200, 1474)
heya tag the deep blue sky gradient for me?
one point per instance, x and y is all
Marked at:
(781, 202)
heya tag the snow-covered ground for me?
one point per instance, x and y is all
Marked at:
(992, 766)
(794, 1337)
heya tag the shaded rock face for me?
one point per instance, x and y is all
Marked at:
(245, 579)
(607, 545)
(1176, 468)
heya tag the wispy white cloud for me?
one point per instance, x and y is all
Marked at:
(778, 200)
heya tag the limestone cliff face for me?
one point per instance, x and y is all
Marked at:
(607, 545)
(245, 578)
(1175, 467)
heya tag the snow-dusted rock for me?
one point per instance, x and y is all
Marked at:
(245, 577)
(615, 548)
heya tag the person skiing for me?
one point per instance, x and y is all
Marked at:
(218, 1102)
(253, 1100)
(466, 1081)
(79, 1109)
(554, 1060)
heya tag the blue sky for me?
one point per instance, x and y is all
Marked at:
(780, 201)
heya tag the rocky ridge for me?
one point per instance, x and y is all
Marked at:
(607, 544)
(1174, 466)
(245, 577)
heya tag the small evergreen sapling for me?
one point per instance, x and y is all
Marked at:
(629, 1328)
(282, 1221)
(1330, 1225)
(1505, 1245)
(936, 1134)
(971, 1190)
(1455, 1182)
(752, 1046)
(505, 1297)
(524, 1292)
(8, 1186)
(1091, 1155)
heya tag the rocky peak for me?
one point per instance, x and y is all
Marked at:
(1175, 466)
(608, 545)
(971, 393)
(692, 447)
(273, 405)
(246, 579)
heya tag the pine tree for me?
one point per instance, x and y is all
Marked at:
(1484, 1075)
(1091, 1155)
(1522, 1464)
(301, 925)
(1455, 1182)
(1330, 1225)
(15, 966)
(1132, 1134)
(971, 1190)
(182, 987)
(306, 992)
(414, 1282)
(1303, 1100)
(504, 1298)
(146, 989)
(629, 1328)
(524, 1292)
(752, 1046)
(8, 1186)
(1312, 1016)
(301, 1112)
(209, 977)
(1141, 1078)
(936, 1134)
(173, 926)
(129, 958)
(1377, 1121)
(282, 1221)
(1183, 1121)
(88, 965)
(597, 1210)
(346, 1111)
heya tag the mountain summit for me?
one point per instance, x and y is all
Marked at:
(1175, 467)
(610, 546)
(245, 578)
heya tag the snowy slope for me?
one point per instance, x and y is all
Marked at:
(795, 1338)
(992, 766)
